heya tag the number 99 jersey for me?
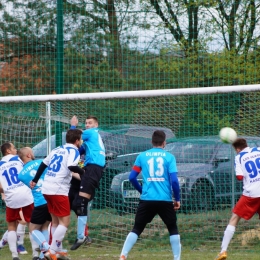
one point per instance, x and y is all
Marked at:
(247, 164)
(17, 194)
(58, 176)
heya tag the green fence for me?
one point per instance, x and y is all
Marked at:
(106, 46)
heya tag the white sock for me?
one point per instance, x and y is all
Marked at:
(34, 245)
(12, 239)
(20, 233)
(57, 237)
(228, 234)
(4, 240)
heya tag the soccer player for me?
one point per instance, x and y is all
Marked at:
(159, 172)
(60, 162)
(94, 163)
(17, 195)
(73, 193)
(41, 217)
(246, 168)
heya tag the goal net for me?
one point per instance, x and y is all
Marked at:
(191, 122)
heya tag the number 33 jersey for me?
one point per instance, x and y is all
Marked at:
(247, 164)
(17, 194)
(58, 176)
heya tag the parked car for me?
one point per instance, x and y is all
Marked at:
(205, 172)
(123, 143)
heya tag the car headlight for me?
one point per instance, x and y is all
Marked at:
(182, 180)
(115, 182)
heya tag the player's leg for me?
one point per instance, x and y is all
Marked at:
(12, 239)
(145, 213)
(12, 216)
(168, 216)
(26, 213)
(39, 226)
(89, 182)
(245, 208)
(20, 237)
(60, 212)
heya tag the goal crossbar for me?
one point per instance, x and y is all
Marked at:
(131, 94)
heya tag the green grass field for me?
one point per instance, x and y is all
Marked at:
(201, 236)
(99, 253)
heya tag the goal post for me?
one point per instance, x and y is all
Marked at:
(127, 119)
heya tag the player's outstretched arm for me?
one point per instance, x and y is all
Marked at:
(39, 173)
(76, 169)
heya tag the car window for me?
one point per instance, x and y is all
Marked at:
(191, 152)
(225, 151)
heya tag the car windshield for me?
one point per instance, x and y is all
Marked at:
(191, 152)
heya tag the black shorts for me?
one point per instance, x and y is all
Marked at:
(90, 179)
(40, 215)
(147, 210)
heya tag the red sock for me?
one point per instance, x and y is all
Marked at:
(86, 230)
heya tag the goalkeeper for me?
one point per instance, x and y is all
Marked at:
(94, 164)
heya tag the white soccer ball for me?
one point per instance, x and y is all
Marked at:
(228, 135)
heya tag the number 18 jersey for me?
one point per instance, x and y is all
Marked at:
(58, 176)
(17, 195)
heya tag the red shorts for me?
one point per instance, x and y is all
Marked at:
(58, 205)
(13, 214)
(246, 207)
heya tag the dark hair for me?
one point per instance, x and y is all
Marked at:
(92, 117)
(5, 147)
(73, 135)
(240, 143)
(158, 138)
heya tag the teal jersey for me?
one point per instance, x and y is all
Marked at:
(156, 165)
(27, 174)
(94, 147)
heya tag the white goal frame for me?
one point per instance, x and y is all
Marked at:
(131, 94)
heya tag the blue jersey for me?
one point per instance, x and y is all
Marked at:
(156, 165)
(94, 147)
(27, 174)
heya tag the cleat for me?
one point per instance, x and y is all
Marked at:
(21, 250)
(49, 256)
(3, 243)
(16, 258)
(122, 257)
(36, 258)
(221, 256)
(78, 243)
(63, 255)
(88, 240)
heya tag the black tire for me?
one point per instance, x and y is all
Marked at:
(202, 197)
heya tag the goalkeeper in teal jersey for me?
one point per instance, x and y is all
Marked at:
(41, 217)
(159, 172)
(94, 164)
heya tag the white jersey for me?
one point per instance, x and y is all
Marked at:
(58, 176)
(17, 194)
(247, 164)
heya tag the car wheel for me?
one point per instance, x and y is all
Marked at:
(202, 197)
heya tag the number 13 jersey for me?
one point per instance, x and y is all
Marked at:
(58, 176)
(17, 194)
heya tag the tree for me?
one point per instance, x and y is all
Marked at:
(237, 22)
